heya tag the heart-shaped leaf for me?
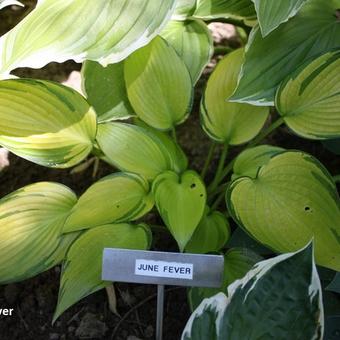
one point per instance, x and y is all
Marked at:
(55, 31)
(159, 85)
(193, 42)
(227, 122)
(180, 200)
(292, 200)
(31, 222)
(309, 99)
(106, 91)
(135, 149)
(45, 122)
(121, 197)
(81, 272)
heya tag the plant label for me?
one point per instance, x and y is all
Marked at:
(122, 265)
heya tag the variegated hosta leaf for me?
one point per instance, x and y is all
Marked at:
(285, 291)
(268, 61)
(292, 200)
(58, 31)
(31, 220)
(135, 149)
(272, 14)
(237, 262)
(184, 9)
(193, 42)
(159, 85)
(211, 234)
(45, 122)
(180, 200)
(227, 122)
(210, 9)
(250, 160)
(309, 99)
(121, 197)
(5, 3)
(81, 273)
(106, 91)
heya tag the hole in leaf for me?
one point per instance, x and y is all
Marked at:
(308, 209)
(201, 195)
(193, 185)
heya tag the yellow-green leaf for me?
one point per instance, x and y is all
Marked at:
(184, 9)
(227, 122)
(120, 197)
(45, 122)
(31, 220)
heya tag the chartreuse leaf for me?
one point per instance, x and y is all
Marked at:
(159, 85)
(180, 200)
(287, 282)
(184, 9)
(46, 123)
(120, 197)
(81, 272)
(210, 9)
(250, 160)
(135, 149)
(211, 234)
(193, 42)
(227, 122)
(292, 200)
(314, 30)
(5, 3)
(237, 262)
(309, 99)
(106, 91)
(31, 220)
(113, 30)
(272, 14)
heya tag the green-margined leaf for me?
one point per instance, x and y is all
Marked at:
(272, 14)
(180, 200)
(334, 286)
(309, 99)
(159, 85)
(193, 42)
(184, 9)
(315, 29)
(211, 234)
(56, 31)
(120, 197)
(292, 200)
(210, 9)
(45, 122)
(5, 3)
(81, 272)
(250, 160)
(227, 122)
(135, 149)
(106, 91)
(285, 291)
(237, 262)
(31, 221)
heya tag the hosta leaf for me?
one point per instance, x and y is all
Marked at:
(180, 200)
(224, 121)
(237, 262)
(31, 220)
(250, 160)
(56, 31)
(81, 273)
(309, 100)
(135, 149)
(5, 3)
(292, 200)
(287, 282)
(315, 29)
(272, 14)
(334, 286)
(211, 234)
(332, 145)
(210, 9)
(106, 91)
(159, 85)
(184, 9)
(121, 197)
(193, 42)
(45, 122)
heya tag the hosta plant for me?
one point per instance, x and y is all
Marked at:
(141, 61)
